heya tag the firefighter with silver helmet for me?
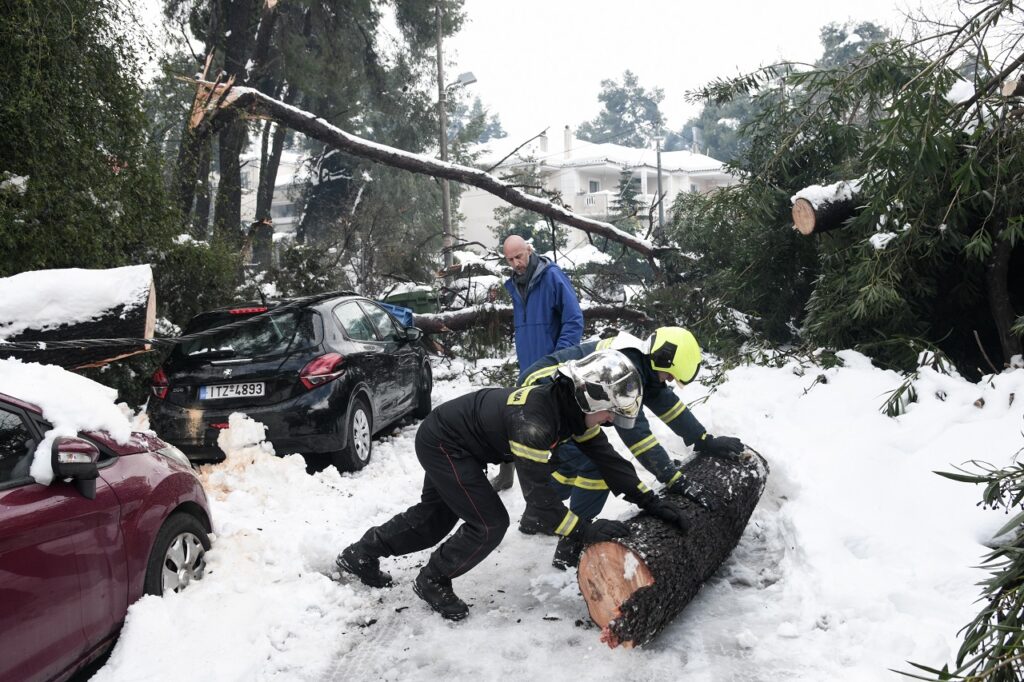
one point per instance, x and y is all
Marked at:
(670, 354)
(458, 439)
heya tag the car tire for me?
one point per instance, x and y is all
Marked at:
(426, 385)
(178, 556)
(358, 432)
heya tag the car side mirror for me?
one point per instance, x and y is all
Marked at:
(413, 333)
(76, 458)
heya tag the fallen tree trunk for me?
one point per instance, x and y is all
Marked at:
(64, 305)
(820, 209)
(466, 318)
(213, 98)
(636, 586)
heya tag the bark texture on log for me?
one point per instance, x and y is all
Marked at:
(634, 587)
(133, 318)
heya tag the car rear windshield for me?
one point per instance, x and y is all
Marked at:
(274, 334)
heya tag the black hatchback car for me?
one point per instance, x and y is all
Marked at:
(323, 377)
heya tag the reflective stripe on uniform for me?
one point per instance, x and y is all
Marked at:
(526, 452)
(588, 434)
(542, 373)
(568, 524)
(580, 481)
(675, 477)
(642, 487)
(643, 446)
(676, 410)
(605, 344)
(518, 397)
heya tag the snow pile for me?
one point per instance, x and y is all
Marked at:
(961, 91)
(822, 194)
(70, 403)
(46, 299)
(880, 240)
(580, 256)
(857, 560)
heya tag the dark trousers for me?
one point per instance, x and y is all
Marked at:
(455, 487)
(585, 502)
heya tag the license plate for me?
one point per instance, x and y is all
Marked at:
(220, 391)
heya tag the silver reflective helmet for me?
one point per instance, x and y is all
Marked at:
(607, 380)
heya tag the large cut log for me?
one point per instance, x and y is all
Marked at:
(45, 306)
(635, 586)
(820, 209)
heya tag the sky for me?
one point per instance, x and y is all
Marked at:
(857, 559)
(540, 63)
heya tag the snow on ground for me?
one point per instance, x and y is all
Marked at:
(857, 559)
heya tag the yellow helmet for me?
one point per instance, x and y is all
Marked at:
(674, 350)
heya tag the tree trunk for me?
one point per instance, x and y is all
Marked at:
(997, 271)
(820, 209)
(131, 316)
(269, 167)
(239, 100)
(201, 216)
(467, 318)
(634, 587)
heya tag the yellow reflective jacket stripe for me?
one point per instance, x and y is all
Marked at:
(518, 397)
(643, 446)
(642, 487)
(676, 410)
(529, 453)
(541, 373)
(588, 434)
(675, 477)
(605, 344)
(567, 525)
(580, 482)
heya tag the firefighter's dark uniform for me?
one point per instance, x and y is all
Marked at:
(577, 477)
(456, 442)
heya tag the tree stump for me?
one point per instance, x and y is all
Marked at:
(636, 586)
(45, 306)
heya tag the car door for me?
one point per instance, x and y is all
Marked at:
(370, 360)
(406, 359)
(41, 618)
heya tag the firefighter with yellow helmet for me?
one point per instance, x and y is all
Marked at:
(670, 354)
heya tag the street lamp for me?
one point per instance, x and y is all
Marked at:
(658, 139)
(464, 79)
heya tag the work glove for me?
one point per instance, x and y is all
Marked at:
(727, 447)
(602, 530)
(693, 491)
(666, 511)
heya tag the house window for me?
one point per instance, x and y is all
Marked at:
(595, 186)
(693, 187)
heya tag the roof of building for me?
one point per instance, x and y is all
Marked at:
(552, 152)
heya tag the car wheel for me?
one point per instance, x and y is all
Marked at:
(423, 405)
(358, 437)
(178, 556)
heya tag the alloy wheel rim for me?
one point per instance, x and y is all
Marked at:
(361, 434)
(184, 562)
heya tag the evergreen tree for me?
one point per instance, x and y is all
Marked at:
(630, 115)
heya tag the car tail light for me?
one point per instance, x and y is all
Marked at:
(322, 369)
(219, 425)
(159, 383)
(248, 311)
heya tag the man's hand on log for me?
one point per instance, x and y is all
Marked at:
(666, 511)
(727, 447)
(602, 530)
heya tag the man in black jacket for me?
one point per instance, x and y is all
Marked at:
(459, 438)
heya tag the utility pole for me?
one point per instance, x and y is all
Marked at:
(446, 200)
(658, 139)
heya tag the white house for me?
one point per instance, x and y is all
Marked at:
(587, 176)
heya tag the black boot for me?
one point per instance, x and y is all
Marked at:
(362, 560)
(567, 553)
(530, 524)
(436, 590)
(505, 477)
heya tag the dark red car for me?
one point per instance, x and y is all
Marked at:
(118, 521)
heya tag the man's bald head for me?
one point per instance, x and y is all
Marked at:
(517, 253)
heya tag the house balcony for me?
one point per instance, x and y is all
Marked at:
(599, 204)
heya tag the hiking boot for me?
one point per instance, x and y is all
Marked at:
(437, 592)
(363, 564)
(567, 553)
(529, 524)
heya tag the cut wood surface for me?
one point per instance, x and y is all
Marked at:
(827, 215)
(635, 586)
(45, 306)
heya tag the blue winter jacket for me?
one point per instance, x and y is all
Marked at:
(549, 319)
